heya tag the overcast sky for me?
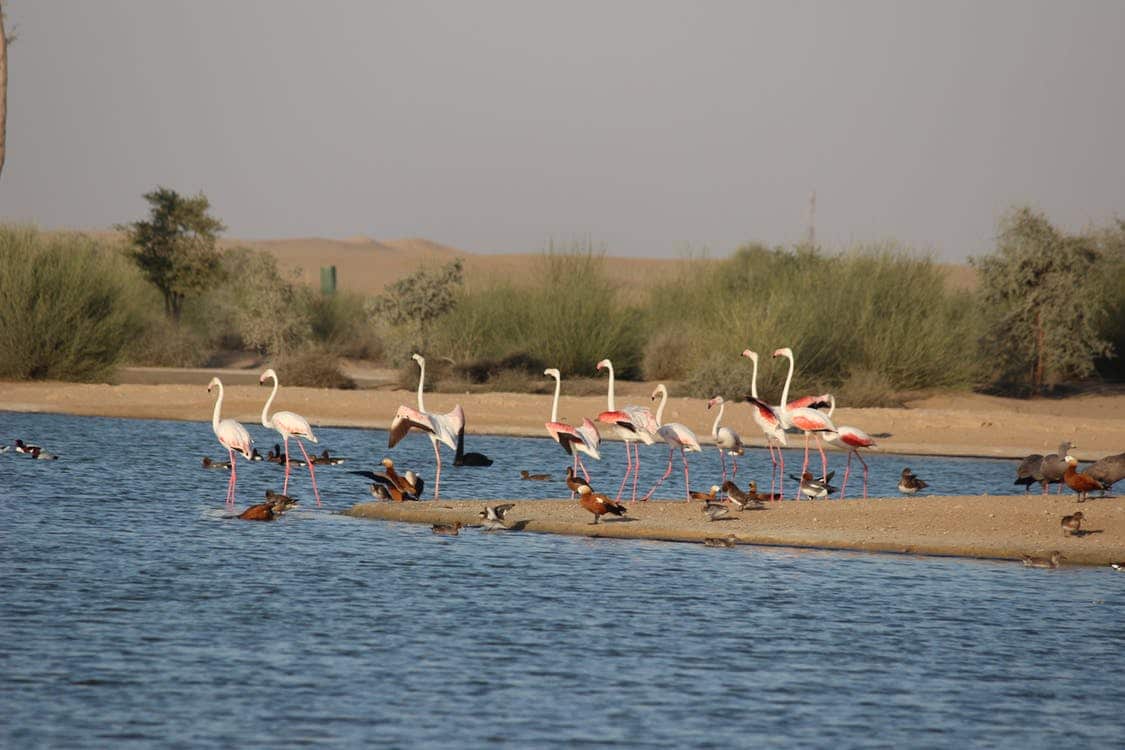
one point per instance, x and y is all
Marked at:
(652, 127)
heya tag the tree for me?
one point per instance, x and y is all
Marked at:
(1044, 292)
(175, 248)
(420, 299)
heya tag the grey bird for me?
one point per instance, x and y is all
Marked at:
(1107, 470)
(1054, 466)
(493, 516)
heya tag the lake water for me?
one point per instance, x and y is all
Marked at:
(133, 613)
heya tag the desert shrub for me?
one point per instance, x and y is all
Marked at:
(867, 388)
(668, 354)
(68, 306)
(341, 322)
(485, 370)
(163, 343)
(312, 366)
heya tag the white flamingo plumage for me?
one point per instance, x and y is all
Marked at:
(634, 424)
(804, 418)
(232, 436)
(726, 440)
(771, 425)
(675, 435)
(574, 440)
(850, 439)
(288, 425)
(438, 427)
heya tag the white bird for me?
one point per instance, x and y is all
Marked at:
(726, 440)
(288, 425)
(493, 516)
(231, 435)
(850, 439)
(438, 427)
(574, 440)
(634, 424)
(675, 435)
(801, 414)
(771, 425)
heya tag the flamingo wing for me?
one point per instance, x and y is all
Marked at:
(810, 420)
(407, 419)
(293, 424)
(822, 401)
(675, 433)
(618, 418)
(564, 435)
(591, 439)
(855, 438)
(234, 436)
(449, 425)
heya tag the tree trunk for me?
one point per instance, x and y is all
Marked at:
(3, 87)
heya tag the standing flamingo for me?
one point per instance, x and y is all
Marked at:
(439, 427)
(633, 424)
(675, 435)
(288, 425)
(769, 422)
(850, 439)
(726, 439)
(574, 440)
(231, 435)
(804, 418)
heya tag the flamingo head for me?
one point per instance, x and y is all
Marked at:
(715, 401)
(783, 352)
(750, 355)
(658, 390)
(418, 358)
(265, 375)
(214, 382)
(604, 364)
(553, 372)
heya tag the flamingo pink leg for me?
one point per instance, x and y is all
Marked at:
(233, 477)
(628, 468)
(661, 480)
(723, 461)
(312, 472)
(847, 470)
(636, 468)
(823, 456)
(864, 475)
(804, 468)
(687, 486)
(437, 479)
(285, 487)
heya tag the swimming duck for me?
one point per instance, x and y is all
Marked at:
(446, 529)
(715, 511)
(1042, 562)
(1118, 566)
(272, 509)
(814, 489)
(1080, 483)
(324, 459)
(22, 447)
(525, 474)
(42, 455)
(461, 458)
(705, 496)
(275, 456)
(739, 499)
(909, 484)
(597, 503)
(208, 463)
(493, 516)
(1072, 524)
(719, 541)
(255, 455)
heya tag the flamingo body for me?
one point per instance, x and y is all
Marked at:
(675, 435)
(443, 428)
(288, 425)
(633, 425)
(231, 435)
(574, 440)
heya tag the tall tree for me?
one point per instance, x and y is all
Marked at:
(1044, 292)
(175, 248)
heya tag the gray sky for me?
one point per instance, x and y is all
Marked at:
(650, 126)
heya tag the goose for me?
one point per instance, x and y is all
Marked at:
(1053, 467)
(705, 496)
(1108, 470)
(1030, 471)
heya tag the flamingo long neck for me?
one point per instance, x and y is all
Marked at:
(663, 401)
(831, 405)
(788, 379)
(218, 408)
(611, 406)
(719, 418)
(421, 381)
(555, 405)
(753, 379)
(266, 421)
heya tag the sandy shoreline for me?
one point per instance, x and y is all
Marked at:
(995, 527)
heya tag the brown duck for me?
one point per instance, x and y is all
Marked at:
(597, 503)
(1072, 524)
(1080, 483)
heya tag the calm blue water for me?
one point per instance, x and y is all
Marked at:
(133, 614)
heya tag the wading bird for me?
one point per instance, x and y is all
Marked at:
(574, 440)
(726, 439)
(231, 435)
(634, 424)
(769, 422)
(288, 425)
(438, 427)
(801, 414)
(676, 435)
(850, 439)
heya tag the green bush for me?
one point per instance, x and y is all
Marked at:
(340, 321)
(312, 367)
(68, 306)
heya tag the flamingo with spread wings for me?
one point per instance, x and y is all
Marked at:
(438, 427)
(574, 440)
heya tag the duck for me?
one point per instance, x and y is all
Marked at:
(814, 489)
(1042, 562)
(716, 511)
(275, 456)
(573, 481)
(739, 499)
(255, 455)
(42, 455)
(1030, 471)
(1072, 524)
(598, 504)
(1118, 566)
(399, 487)
(272, 509)
(1108, 470)
(909, 484)
(22, 447)
(525, 474)
(764, 496)
(1082, 483)
(705, 496)
(493, 516)
(380, 492)
(446, 529)
(209, 463)
(324, 459)
(1054, 466)
(719, 541)
(461, 458)
(5, 448)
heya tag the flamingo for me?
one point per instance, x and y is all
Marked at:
(288, 425)
(850, 439)
(438, 427)
(769, 422)
(633, 424)
(675, 435)
(804, 417)
(726, 439)
(574, 440)
(231, 435)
